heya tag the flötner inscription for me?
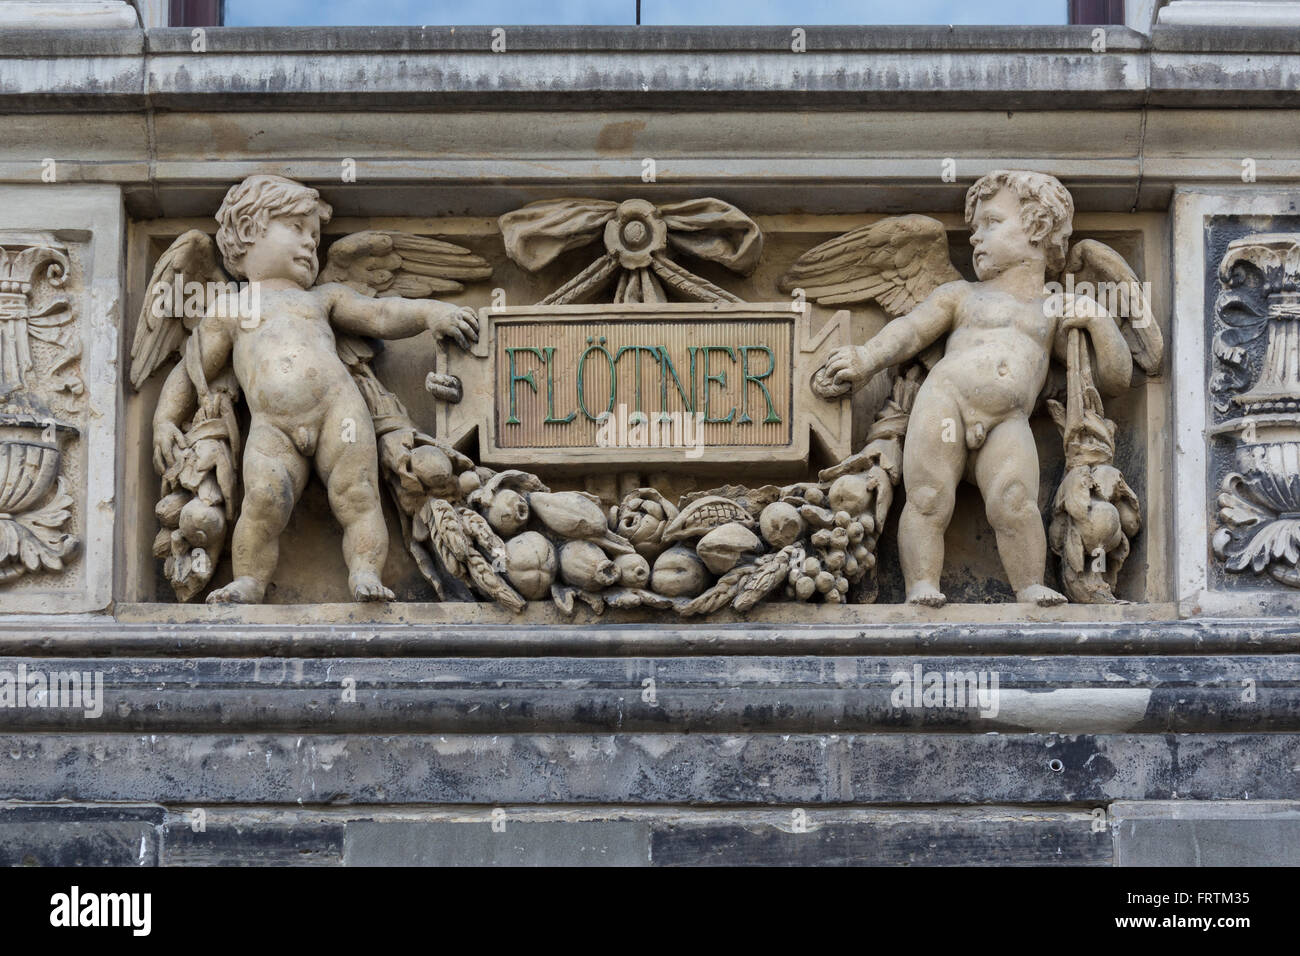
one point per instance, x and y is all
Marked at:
(634, 383)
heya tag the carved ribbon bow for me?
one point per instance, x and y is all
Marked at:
(638, 239)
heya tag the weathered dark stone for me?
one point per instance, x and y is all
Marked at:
(762, 769)
(691, 694)
(921, 837)
(249, 838)
(553, 843)
(79, 835)
(1190, 637)
(1222, 833)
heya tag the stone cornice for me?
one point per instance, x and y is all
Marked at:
(647, 68)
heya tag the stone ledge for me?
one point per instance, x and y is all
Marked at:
(429, 630)
(648, 769)
(1222, 38)
(53, 835)
(532, 836)
(647, 68)
(1147, 833)
(1220, 833)
(582, 39)
(651, 39)
(1137, 695)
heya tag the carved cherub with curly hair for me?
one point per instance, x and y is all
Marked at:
(306, 410)
(970, 420)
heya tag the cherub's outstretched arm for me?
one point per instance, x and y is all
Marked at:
(398, 318)
(902, 339)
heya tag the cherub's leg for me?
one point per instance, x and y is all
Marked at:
(934, 457)
(348, 463)
(1007, 473)
(274, 474)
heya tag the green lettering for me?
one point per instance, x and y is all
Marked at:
(772, 416)
(721, 379)
(582, 370)
(510, 354)
(550, 392)
(667, 368)
(636, 359)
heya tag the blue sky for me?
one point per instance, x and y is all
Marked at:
(675, 12)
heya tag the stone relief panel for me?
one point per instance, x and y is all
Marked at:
(41, 396)
(670, 422)
(1255, 405)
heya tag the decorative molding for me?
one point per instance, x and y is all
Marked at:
(34, 503)
(1257, 349)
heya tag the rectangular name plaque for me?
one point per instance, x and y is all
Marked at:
(666, 385)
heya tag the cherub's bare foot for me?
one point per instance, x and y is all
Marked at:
(366, 586)
(1041, 595)
(926, 594)
(243, 590)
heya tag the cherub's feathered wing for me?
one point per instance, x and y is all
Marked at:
(1097, 266)
(197, 501)
(163, 326)
(379, 263)
(896, 262)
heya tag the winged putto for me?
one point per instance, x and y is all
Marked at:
(293, 351)
(966, 364)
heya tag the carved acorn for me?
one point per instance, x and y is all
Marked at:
(469, 482)
(722, 548)
(531, 565)
(432, 467)
(584, 565)
(703, 515)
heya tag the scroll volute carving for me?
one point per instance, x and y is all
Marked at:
(1257, 388)
(35, 506)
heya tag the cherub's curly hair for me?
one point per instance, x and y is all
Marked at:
(262, 198)
(1046, 209)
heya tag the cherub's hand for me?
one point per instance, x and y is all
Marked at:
(1076, 320)
(849, 365)
(456, 322)
(168, 444)
(445, 388)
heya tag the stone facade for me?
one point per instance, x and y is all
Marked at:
(607, 650)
